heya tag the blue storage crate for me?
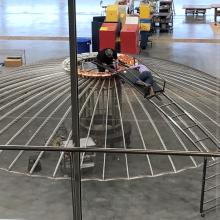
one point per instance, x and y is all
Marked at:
(83, 44)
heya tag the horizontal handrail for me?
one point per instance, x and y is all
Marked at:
(111, 150)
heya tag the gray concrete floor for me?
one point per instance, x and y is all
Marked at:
(202, 56)
(166, 197)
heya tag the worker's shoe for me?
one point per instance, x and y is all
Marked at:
(147, 91)
(140, 83)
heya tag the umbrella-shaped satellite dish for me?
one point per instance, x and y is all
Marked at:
(35, 109)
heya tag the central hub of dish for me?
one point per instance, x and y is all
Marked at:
(88, 69)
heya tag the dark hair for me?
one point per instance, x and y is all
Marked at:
(109, 52)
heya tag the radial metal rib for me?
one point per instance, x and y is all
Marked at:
(30, 90)
(139, 129)
(32, 107)
(54, 132)
(35, 116)
(156, 130)
(177, 136)
(62, 154)
(49, 139)
(14, 87)
(38, 130)
(45, 91)
(177, 125)
(197, 109)
(37, 103)
(198, 95)
(202, 128)
(122, 128)
(193, 84)
(106, 128)
(80, 113)
(45, 122)
(22, 74)
(91, 121)
(184, 74)
(179, 83)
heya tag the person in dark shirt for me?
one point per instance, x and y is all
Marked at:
(106, 57)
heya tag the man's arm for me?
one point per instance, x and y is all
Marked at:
(115, 55)
(135, 67)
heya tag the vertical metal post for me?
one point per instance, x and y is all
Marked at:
(215, 16)
(25, 62)
(76, 173)
(203, 187)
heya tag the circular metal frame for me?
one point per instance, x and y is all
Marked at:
(35, 110)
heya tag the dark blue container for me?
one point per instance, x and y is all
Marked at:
(96, 25)
(83, 44)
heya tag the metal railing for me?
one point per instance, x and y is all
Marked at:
(76, 174)
(204, 202)
(75, 151)
(111, 150)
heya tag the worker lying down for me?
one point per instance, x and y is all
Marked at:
(145, 78)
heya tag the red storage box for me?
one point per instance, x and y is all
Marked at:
(130, 39)
(107, 35)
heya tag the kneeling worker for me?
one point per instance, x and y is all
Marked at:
(106, 57)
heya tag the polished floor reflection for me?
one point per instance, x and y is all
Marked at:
(31, 18)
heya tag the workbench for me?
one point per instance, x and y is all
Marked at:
(196, 9)
(164, 19)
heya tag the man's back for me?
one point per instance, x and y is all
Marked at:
(103, 58)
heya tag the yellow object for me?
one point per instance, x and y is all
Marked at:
(103, 28)
(122, 9)
(145, 26)
(118, 40)
(145, 11)
(112, 13)
(122, 18)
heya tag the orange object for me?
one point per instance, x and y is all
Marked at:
(130, 61)
(107, 36)
(94, 74)
(130, 39)
(123, 2)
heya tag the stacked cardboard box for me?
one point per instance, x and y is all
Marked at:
(13, 61)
